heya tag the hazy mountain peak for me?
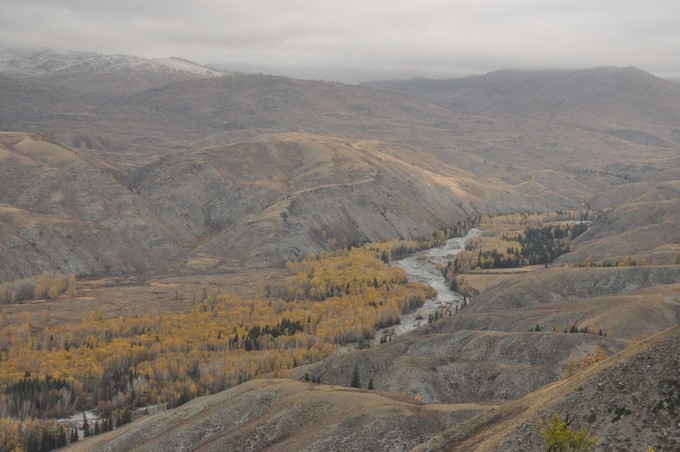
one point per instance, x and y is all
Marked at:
(99, 75)
(622, 95)
(49, 63)
(180, 65)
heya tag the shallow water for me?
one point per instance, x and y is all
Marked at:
(422, 267)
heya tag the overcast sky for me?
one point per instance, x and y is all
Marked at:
(370, 38)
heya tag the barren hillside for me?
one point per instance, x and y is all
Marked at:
(628, 402)
(288, 415)
(645, 230)
(462, 366)
(61, 212)
(287, 193)
(259, 203)
(379, 165)
(290, 194)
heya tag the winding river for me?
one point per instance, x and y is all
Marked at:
(422, 267)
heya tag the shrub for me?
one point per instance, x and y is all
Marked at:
(559, 437)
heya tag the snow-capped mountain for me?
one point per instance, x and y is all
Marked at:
(52, 63)
(93, 74)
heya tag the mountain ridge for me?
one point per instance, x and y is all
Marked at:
(99, 75)
(453, 164)
(47, 63)
(521, 92)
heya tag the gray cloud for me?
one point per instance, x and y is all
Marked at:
(429, 37)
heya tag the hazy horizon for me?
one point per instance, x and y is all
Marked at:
(347, 75)
(355, 41)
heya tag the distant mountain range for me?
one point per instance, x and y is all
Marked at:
(576, 96)
(384, 160)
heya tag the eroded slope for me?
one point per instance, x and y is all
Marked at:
(287, 415)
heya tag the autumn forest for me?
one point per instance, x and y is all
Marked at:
(115, 365)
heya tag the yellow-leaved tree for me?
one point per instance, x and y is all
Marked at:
(560, 437)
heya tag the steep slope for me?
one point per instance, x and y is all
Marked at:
(293, 193)
(628, 402)
(60, 212)
(645, 230)
(281, 196)
(259, 202)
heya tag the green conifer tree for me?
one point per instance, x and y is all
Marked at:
(86, 426)
(356, 381)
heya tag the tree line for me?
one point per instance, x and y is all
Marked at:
(535, 245)
(46, 286)
(517, 240)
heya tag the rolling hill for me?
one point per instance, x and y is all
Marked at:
(288, 415)
(383, 164)
(602, 96)
(153, 179)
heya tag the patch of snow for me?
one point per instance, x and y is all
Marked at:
(53, 63)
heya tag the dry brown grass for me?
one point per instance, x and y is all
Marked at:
(485, 279)
(139, 295)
